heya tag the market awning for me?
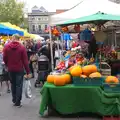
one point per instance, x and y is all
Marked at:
(18, 29)
(95, 18)
(8, 31)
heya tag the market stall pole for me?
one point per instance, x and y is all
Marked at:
(51, 44)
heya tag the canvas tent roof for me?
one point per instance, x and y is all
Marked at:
(86, 8)
(95, 18)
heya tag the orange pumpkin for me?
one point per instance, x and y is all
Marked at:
(88, 69)
(76, 71)
(112, 79)
(50, 78)
(95, 74)
(67, 78)
(59, 80)
(71, 68)
(83, 76)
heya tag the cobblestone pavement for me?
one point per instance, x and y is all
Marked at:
(29, 111)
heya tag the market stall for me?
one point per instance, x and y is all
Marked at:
(79, 84)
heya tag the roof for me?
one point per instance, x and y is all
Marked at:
(41, 13)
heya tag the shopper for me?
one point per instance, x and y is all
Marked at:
(4, 76)
(15, 58)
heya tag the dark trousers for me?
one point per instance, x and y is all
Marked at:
(16, 79)
(31, 68)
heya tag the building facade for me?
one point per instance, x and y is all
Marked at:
(38, 20)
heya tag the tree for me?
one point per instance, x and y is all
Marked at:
(12, 11)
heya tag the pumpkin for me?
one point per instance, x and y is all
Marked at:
(50, 78)
(83, 76)
(95, 74)
(112, 79)
(76, 71)
(71, 68)
(67, 78)
(88, 69)
(59, 80)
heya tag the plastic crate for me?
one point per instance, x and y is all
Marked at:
(113, 88)
(77, 81)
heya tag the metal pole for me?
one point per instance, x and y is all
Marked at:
(50, 35)
(115, 39)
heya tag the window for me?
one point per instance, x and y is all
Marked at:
(33, 27)
(39, 27)
(33, 18)
(45, 27)
(39, 18)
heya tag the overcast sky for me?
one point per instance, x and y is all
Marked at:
(51, 5)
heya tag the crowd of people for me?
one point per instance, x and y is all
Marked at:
(16, 60)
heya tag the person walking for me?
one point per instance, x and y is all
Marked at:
(16, 60)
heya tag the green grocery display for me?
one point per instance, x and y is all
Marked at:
(71, 99)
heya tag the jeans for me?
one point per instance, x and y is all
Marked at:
(31, 68)
(16, 79)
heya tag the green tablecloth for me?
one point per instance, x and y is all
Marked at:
(71, 99)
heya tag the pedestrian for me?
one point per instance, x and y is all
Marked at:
(38, 45)
(4, 77)
(30, 52)
(16, 60)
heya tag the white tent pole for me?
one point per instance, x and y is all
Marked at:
(58, 44)
(50, 35)
(115, 39)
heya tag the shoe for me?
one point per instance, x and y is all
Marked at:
(18, 106)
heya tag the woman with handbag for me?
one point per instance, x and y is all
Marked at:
(33, 59)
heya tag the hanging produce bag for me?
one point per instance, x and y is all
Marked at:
(28, 89)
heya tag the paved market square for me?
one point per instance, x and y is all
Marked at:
(29, 110)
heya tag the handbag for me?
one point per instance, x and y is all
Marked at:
(28, 89)
(33, 58)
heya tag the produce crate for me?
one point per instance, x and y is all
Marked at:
(77, 81)
(115, 88)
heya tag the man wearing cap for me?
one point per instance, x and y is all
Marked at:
(16, 60)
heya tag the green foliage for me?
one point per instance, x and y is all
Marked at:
(12, 11)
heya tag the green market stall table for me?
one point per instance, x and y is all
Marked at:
(72, 99)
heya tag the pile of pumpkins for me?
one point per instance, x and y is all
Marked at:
(88, 71)
(91, 71)
(59, 80)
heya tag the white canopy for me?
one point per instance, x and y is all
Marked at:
(38, 37)
(85, 8)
